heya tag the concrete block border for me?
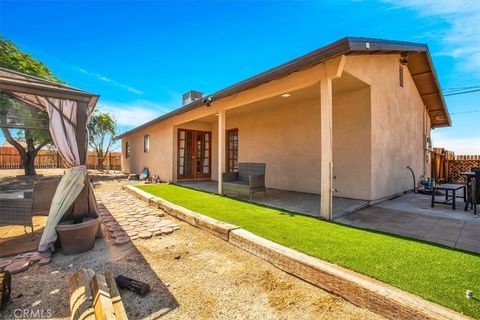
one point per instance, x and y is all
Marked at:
(356, 288)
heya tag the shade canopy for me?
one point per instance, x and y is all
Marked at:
(69, 111)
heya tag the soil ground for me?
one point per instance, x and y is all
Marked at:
(193, 275)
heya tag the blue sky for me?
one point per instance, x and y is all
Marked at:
(141, 56)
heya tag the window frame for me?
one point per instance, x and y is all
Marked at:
(127, 150)
(229, 168)
(146, 143)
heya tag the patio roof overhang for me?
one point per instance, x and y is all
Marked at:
(417, 58)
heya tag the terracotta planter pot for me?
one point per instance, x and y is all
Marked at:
(78, 237)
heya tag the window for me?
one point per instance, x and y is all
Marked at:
(232, 150)
(127, 150)
(146, 143)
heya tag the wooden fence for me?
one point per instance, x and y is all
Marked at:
(446, 166)
(10, 159)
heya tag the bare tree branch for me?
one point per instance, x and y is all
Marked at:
(14, 143)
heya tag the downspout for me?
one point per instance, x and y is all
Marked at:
(425, 141)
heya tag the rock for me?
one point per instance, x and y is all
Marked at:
(114, 228)
(117, 233)
(132, 233)
(17, 266)
(18, 295)
(145, 235)
(45, 261)
(25, 255)
(158, 233)
(166, 230)
(122, 240)
(4, 263)
(40, 255)
(178, 256)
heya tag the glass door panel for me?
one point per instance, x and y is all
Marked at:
(194, 154)
(232, 150)
(185, 154)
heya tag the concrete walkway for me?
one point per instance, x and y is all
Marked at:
(301, 202)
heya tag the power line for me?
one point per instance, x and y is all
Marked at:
(462, 92)
(465, 112)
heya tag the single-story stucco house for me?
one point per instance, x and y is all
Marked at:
(344, 120)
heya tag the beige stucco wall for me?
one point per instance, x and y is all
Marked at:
(352, 156)
(287, 138)
(397, 116)
(158, 159)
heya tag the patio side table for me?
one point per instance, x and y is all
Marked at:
(453, 187)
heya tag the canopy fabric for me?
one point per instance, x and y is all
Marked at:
(62, 115)
(70, 186)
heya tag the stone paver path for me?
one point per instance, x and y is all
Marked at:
(126, 218)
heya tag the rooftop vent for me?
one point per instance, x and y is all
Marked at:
(191, 96)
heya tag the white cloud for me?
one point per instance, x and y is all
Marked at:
(460, 146)
(133, 114)
(111, 81)
(461, 40)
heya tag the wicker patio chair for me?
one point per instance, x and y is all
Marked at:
(17, 212)
(43, 192)
(249, 179)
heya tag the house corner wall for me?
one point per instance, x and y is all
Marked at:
(398, 124)
(351, 144)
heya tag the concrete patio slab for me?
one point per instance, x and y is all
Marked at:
(456, 233)
(421, 204)
(305, 203)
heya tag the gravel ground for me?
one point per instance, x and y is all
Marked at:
(193, 275)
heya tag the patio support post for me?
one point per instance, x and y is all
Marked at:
(332, 69)
(80, 206)
(221, 149)
(326, 148)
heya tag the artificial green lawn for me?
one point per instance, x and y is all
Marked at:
(433, 272)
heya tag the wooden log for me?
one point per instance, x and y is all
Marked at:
(102, 301)
(81, 295)
(5, 288)
(118, 308)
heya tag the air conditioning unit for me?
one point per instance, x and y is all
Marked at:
(191, 96)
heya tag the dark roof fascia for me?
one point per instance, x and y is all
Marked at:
(345, 45)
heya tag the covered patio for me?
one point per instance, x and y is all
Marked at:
(297, 127)
(301, 202)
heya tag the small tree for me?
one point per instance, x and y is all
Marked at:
(13, 112)
(102, 129)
